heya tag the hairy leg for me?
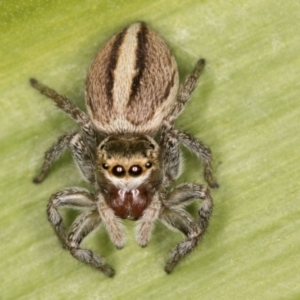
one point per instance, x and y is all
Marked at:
(80, 154)
(75, 198)
(172, 160)
(52, 154)
(185, 193)
(171, 156)
(81, 118)
(174, 216)
(83, 158)
(82, 226)
(171, 138)
(170, 142)
(201, 151)
(186, 91)
(182, 221)
(61, 101)
(111, 223)
(145, 225)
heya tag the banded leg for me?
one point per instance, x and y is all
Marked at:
(170, 141)
(171, 155)
(186, 91)
(61, 101)
(181, 220)
(186, 193)
(173, 215)
(82, 157)
(171, 137)
(75, 198)
(201, 151)
(72, 111)
(80, 154)
(52, 154)
(82, 226)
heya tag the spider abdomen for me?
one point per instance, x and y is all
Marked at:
(132, 83)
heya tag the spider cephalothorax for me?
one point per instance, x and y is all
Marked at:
(129, 172)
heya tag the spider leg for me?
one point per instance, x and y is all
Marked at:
(201, 151)
(81, 118)
(170, 141)
(186, 91)
(171, 158)
(175, 216)
(52, 154)
(185, 193)
(75, 198)
(82, 226)
(171, 138)
(83, 158)
(112, 224)
(61, 101)
(145, 225)
(80, 154)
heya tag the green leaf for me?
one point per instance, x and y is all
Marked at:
(246, 109)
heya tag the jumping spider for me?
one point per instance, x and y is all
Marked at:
(132, 98)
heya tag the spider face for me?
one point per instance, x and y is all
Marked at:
(129, 172)
(127, 148)
(129, 162)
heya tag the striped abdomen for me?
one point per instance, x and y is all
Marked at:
(132, 83)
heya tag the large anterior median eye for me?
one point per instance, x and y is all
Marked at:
(118, 171)
(135, 170)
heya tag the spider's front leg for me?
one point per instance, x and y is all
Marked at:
(75, 198)
(81, 227)
(175, 216)
(78, 199)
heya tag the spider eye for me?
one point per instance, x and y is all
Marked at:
(135, 170)
(105, 166)
(118, 171)
(148, 165)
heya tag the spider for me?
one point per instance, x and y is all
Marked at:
(127, 148)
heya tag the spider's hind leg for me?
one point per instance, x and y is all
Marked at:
(172, 138)
(186, 91)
